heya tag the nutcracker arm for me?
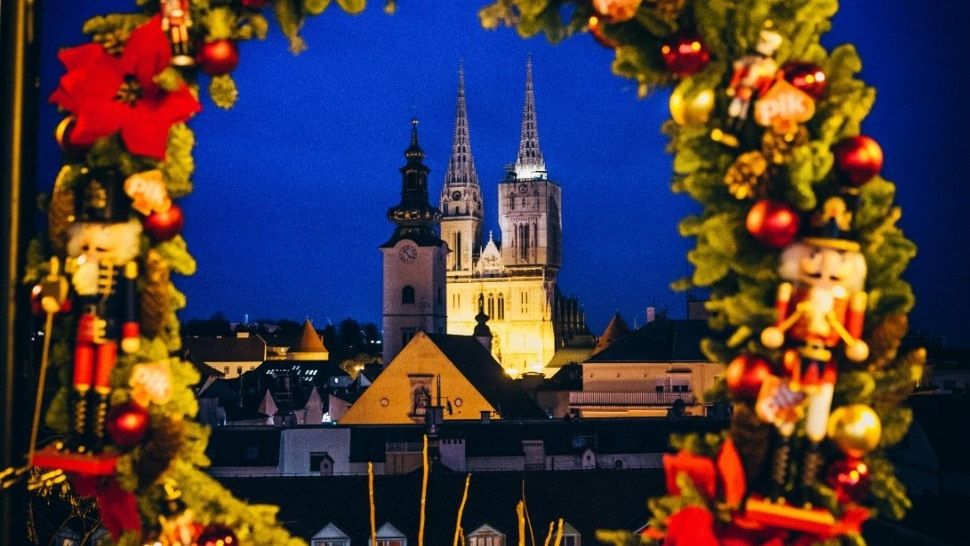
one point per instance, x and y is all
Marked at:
(53, 289)
(773, 337)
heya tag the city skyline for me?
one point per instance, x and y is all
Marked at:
(325, 132)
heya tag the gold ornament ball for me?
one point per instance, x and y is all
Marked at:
(691, 110)
(855, 429)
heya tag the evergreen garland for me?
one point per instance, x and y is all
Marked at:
(173, 451)
(741, 273)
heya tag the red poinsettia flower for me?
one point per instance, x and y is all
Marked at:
(692, 526)
(110, 94)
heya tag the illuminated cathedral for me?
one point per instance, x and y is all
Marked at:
(513, 278)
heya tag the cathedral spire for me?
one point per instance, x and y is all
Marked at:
(461, 166)
(529, 163)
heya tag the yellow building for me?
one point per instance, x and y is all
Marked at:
(515, 281)
(647, 372)
(455, 373)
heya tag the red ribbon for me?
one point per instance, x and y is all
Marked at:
(118, 508)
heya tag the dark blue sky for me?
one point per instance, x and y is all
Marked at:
(292, 184)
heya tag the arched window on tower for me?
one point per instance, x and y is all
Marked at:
(501, 308)
(407, 294)
(491, 305)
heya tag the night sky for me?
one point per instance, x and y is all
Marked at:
(292, 185)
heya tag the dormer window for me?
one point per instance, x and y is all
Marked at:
(486, 535)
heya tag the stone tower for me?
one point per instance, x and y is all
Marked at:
(414, 259)
(529, 203)
(461, 196)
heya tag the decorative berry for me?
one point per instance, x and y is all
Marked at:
(127, 424)
(685, 54)
(162, 226)
(218, 57)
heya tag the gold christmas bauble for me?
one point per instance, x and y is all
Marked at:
(691, 110)
(855, 429)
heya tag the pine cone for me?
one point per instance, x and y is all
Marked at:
(778, 147)
(752, 437)
(668, 9)
(60, 212)
(163, 443)
(744, 176)
(885, 338)
(155, 299)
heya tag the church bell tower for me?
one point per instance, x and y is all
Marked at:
(414, 259)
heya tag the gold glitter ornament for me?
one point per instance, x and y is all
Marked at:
(744, 176)
(778, 147)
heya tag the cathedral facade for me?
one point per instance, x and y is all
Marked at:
(513, 279)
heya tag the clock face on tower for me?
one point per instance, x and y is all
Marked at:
(456, 196)
(407, 254)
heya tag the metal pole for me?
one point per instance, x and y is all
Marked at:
(17, 131)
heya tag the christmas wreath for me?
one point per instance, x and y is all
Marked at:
(796, 242)
(798, 247)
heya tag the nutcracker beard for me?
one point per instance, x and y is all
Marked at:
(103, 276)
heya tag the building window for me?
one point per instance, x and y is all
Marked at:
(406, 335)
(491, 306)
(524, 299)
(570, 540)
(336, 542)
(458, 250)
(407, 294)
(322, 462)
(391, 542)
(501, 307)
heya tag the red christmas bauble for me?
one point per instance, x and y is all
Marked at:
(127, 424)
(807, 77)
(162, 226)
(596, 29)
(218, 57)
(774, 223)
(62, 134)
(850, 479)
(685, 54)
(859, 158)
(256, 4)
(744, 376)
(216, 535)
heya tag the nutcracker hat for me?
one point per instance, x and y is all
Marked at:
(831, 224)
(100, 196)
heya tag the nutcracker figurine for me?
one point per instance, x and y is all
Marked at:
(753, 76)
(176, 21)
(101, 251)
(820, 306)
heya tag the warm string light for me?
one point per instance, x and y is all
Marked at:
(424, 489)
(373, 511)
(461, 509)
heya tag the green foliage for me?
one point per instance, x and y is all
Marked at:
(223, 91)
(179, 165)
